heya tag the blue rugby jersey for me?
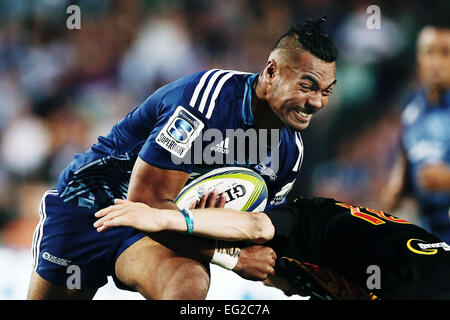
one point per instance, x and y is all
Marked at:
(169, 131)
(426, 139)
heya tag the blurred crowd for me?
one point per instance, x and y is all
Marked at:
(61, 88)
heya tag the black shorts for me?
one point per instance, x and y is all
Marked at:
(360, 244)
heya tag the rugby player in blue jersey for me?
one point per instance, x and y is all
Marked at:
(140, 160)
(423, 166)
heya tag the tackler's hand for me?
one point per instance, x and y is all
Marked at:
(210, 199)
(256, 262)
(131, 214)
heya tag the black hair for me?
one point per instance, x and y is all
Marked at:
(310, 36)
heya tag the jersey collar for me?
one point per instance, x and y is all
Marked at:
(247, 114)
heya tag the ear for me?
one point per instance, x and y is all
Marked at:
(270, 70)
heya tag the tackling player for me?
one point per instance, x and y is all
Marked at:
(344, 238)
(136, 161)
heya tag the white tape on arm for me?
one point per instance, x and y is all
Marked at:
(225, 255)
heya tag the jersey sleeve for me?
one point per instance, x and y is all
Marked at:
(286, 221)
(300, 227)
(177, 125)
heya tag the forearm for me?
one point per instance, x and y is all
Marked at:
(222, 224)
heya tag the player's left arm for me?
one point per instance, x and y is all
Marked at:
(216, 223)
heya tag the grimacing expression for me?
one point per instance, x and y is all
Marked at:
(299, 86)
(434, 57)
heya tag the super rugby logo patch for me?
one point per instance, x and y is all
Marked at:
(179, 132)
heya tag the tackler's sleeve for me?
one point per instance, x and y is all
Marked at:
(286, 221)
(300, 227)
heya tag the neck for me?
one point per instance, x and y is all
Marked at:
(263, 114)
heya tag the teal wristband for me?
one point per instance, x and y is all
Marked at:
(189, 217)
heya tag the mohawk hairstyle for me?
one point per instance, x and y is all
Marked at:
(309, 36)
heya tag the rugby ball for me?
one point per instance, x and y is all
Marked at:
(246, 190)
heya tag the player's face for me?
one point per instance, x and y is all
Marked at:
(434, 58)
(299, 88)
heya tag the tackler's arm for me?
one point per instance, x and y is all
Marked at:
(216, 223)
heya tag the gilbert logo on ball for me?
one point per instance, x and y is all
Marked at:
(246, 190)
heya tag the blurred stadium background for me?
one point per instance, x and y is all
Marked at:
(61, 88)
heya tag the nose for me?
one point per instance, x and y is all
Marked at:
(315, 100)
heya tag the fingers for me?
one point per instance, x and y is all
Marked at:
(112, 208)
(120, 220)
(123, 213)
(102, 228)
(193, 205)
(210, 199)
(256, 262)
(274, 255)
(271, 256)
(269, 252)
(119, 201)
(272, 262)
(222, 200)
(111, 215)
(110, 212)
(203, 199)
(271, 271)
